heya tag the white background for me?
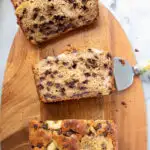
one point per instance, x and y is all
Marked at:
(134, 16)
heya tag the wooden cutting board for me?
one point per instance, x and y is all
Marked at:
(20, 102)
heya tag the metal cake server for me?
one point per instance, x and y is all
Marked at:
(124, 73)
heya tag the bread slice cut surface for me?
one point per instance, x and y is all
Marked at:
(74, 74)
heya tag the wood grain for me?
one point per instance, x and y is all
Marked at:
(20, 100)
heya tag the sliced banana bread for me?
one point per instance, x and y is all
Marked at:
(74, 74)
(42, 20)
(73, 135)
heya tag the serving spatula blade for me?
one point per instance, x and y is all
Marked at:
(123, 73)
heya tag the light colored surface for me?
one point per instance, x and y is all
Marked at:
(21, 99)
(134, 16)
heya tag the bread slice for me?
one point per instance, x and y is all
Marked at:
(74, 74)
(42, 20)
(73, 135)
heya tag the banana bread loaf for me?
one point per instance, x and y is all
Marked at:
(73, 135)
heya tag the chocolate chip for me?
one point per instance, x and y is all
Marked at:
(84, 1)
(55, 72)
(42, 78)
(76, 95)
(59, 17)
(109, 55)
(87, 74)
(49, 83)
(105, 65)
(96, 56)
(82, 88)
(35, 26)
(52, 76)
(87, 65)
(105, 133)
(24, 11)
(75, 5)
(32, 31)
(30, 38)
(85, 82)
(71, 1)
(47, 72)
(69, 133)
(65, 63)
(59, 131)
(53, 97)
(99, 94)
(20, 17)
(51, 22)
(45, 126)
(94, 74)
(104, 146)
(34, 16)
(84, 93)
(81, 59)
(110, 73)
(35, 126)
(47, 95)
(90, 133)
(36, 9)
(40, 87)
(91, 61)
(39, 145)
(50, 8)
(56, 61)
(42, 18)
(49, 62)
(57, 85)
(80, 16)
(98, 126)
(90, 50)
(84, 7)
(74, 66)
(71, 84)
(62, 90)
(32, 146)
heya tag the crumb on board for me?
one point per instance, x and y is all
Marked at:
(136, 50)
(124, 104)
(122, 61)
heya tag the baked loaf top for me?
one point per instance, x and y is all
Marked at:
(74, 74)
(42, 20)
(73, 135)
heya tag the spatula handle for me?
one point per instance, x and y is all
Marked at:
(142, 68)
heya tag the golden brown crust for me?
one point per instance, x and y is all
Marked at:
(57, 80)
(73, 135)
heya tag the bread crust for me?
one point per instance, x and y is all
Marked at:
(50, 85)
(73, 134)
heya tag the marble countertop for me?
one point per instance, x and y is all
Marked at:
(133, 15)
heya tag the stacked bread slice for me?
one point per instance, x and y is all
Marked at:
(42, 20)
